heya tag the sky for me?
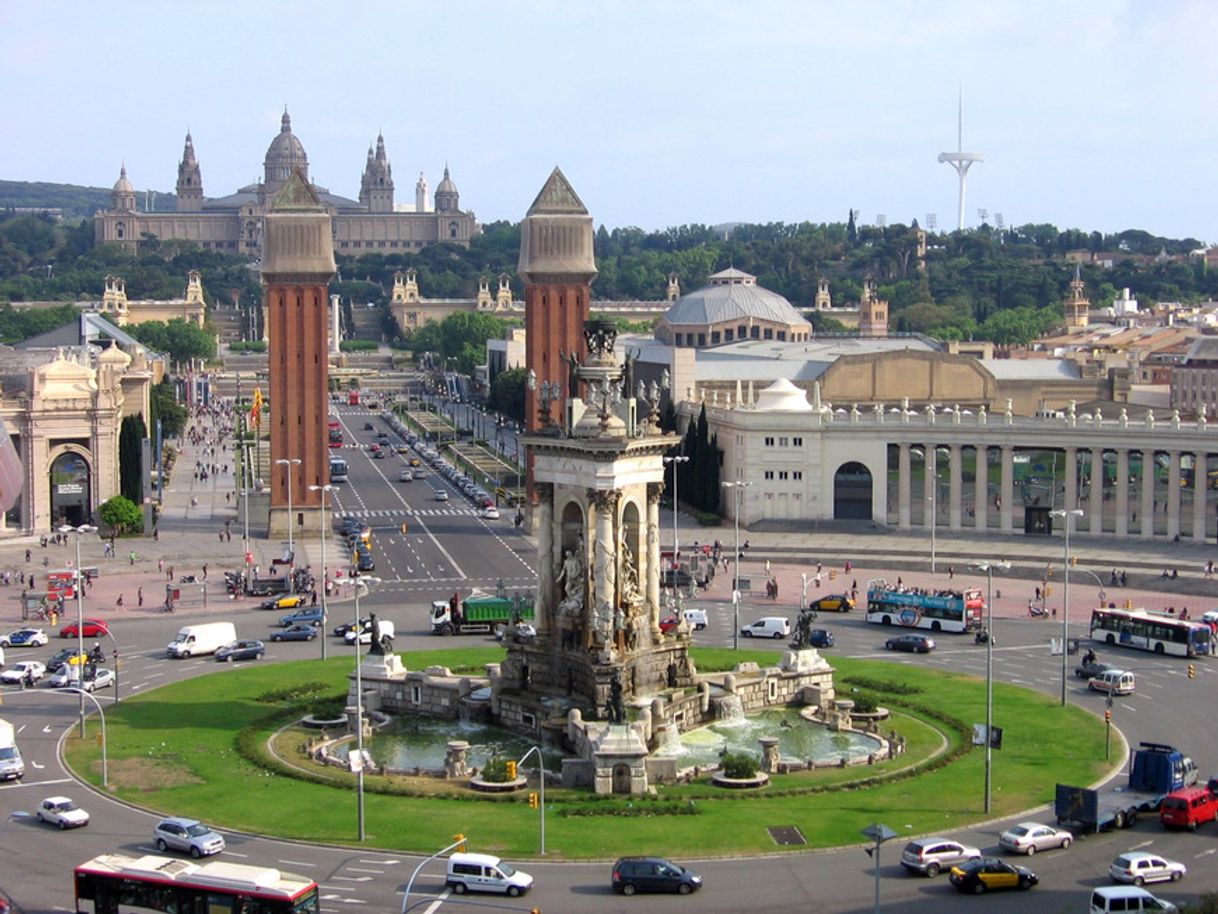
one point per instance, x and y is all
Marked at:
(1091, 114)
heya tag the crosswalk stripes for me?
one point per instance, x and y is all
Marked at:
(374, 514)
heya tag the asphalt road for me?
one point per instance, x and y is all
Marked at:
(449, 547)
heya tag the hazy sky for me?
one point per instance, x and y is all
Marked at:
(1097, 114)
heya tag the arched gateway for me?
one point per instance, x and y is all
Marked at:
(852, 492)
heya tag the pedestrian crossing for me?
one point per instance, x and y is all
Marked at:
(398, 513)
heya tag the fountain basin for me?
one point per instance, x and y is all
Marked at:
(798, 738)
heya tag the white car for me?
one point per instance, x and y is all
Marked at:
(441, 495)
(490, 512)
(1139, 867)
(1030, 837)
(25, 637)
(405, 474)
(25, 671)
(62, 812)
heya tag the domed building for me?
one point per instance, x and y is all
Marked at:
(233, 223)
(732, 308)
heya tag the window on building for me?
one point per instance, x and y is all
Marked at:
(678, 339)
(769, 334)
(342, 244)
(782, 474)
(769, 474)
(782, 335)
(798, 442)
(797, 474)
(452, 230)
(701, 339)
(769, 442)
(714, 337)
(754, 333)
(727, 335)
(782, 442)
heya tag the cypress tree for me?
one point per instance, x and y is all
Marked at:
(131, 435)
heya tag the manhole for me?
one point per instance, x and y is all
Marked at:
(786, 835)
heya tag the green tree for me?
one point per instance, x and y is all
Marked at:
(131, 435)
(121, 514)
(165, 407)
(507, 393)
(179, 339)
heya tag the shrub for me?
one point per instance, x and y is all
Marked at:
(121, 514)
(247, 346)
(864, 704)
(739, 765)
(708, 519)
(495, 771)
(358, 345)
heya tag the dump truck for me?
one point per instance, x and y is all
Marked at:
(479, 615)
(1155, 770)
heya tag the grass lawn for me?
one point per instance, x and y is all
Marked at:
(176, 749)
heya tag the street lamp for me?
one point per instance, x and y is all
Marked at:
(289, 462)
(1066, 515)
(324, 490)
(101, 716)
(360, 585)
(80, 613)
(675, 461)
(988, 568)
(541, 779)
(738, 487)
(879, 834)
(246, 469)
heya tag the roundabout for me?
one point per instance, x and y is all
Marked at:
(227, 747)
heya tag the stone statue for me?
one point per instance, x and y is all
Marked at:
(803, 630)
(629, 590)
(671, 675)
(617, 708)
(572, 577)
(572, 361)
(376, 647)
(632, 356)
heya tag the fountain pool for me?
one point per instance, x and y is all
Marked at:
(420, 742)
(797, 739)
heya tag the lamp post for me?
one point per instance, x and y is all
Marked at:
(324, 490)
(101, 715)
(879, 834)
(541, 779)
(246, 469)
(988, 568)
(80, 614)
(738, 487)
(675, 461)
(289, 462)
(1066, 515)
(360, 585)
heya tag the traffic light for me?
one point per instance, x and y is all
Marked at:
(511, 771)
(1107, 717)
(1192, 671)
(1073, 560)
(405, 527)
(533, 803)
(460, 842)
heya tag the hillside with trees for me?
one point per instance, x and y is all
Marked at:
(1001, 285)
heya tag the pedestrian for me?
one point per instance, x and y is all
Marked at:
(27, 556)
(132, 557)
(204, 571)
(951, 572)
(848, 566)
(767, 567)
(119, 601)
(156, 534)
(139, 596)
(160, 566)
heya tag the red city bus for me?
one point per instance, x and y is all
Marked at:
(114, 882)
(353, 398)
(336, 433)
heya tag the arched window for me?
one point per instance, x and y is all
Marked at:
(452, 230)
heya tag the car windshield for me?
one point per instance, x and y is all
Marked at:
(1019, 831)
(505, 869)
(198, 830)
(65, 806)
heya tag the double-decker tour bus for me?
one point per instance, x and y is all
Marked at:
(338, 469)
(336, 433)
(115, 882)
(1152, 631)
(912, 607)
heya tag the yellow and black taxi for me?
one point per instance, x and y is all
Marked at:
(988, 873)
(291, 601)
(833, 603)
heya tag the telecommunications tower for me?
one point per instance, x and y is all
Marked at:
(961, 160)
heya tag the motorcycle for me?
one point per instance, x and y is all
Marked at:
(982, 637)
(1037, 611)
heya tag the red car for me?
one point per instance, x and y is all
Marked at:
(94, 628)
(669, 624)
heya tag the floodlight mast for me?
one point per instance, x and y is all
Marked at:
(961, 160)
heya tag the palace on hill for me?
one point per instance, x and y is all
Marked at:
(375, 223)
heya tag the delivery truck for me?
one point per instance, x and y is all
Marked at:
(479, 615)
(204, 638)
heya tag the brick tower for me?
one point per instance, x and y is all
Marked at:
(557, 264)
(297, 264)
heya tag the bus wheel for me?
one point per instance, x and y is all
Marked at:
(935, 626)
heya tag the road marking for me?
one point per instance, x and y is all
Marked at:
(1205, 853)
(46, 729)
(19, 784)
(1141, 845)
(36, 764)
(354, 878)
(389, 862)
(296, 863)
(358, 869)
(1128, 707)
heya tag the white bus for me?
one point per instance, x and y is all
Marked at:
(1151, 631)
(338, 469)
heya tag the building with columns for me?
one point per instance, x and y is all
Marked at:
(122, 311)
(375, 223)
(962, 468)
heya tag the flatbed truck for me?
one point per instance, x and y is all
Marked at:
(1155, 770)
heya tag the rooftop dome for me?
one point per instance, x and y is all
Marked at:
(122, 185)
(731, 296)
(783, 397)
(285, 154)
(446, 186)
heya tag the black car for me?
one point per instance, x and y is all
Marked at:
(364, 562)
(820, 637)
(653, 874)
(1092, 668)
(368, 427)
(917, 644)
(978, 876)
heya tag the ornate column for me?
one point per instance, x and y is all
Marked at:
(903, 481)
(955, 488)
(981, 487)
(604, 561)
(546, 558)
(1201, 485)
(654, 491)
(1173, 494)
(1122, 492)
(1148, 493)
(1070, 499)
(929, 470)
(1007, 488)
(1096, 496)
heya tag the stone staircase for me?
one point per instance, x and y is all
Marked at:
(366, 323)
(229, 323)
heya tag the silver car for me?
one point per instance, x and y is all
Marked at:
(930, 856)
(1030, 837)
(188, 836)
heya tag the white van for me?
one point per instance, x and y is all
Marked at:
(696, 619)
(366, 636)
(1114, 682)
(768, 627)
(205, 638)
(484, 873)
(11, 765)
(1126, 898)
